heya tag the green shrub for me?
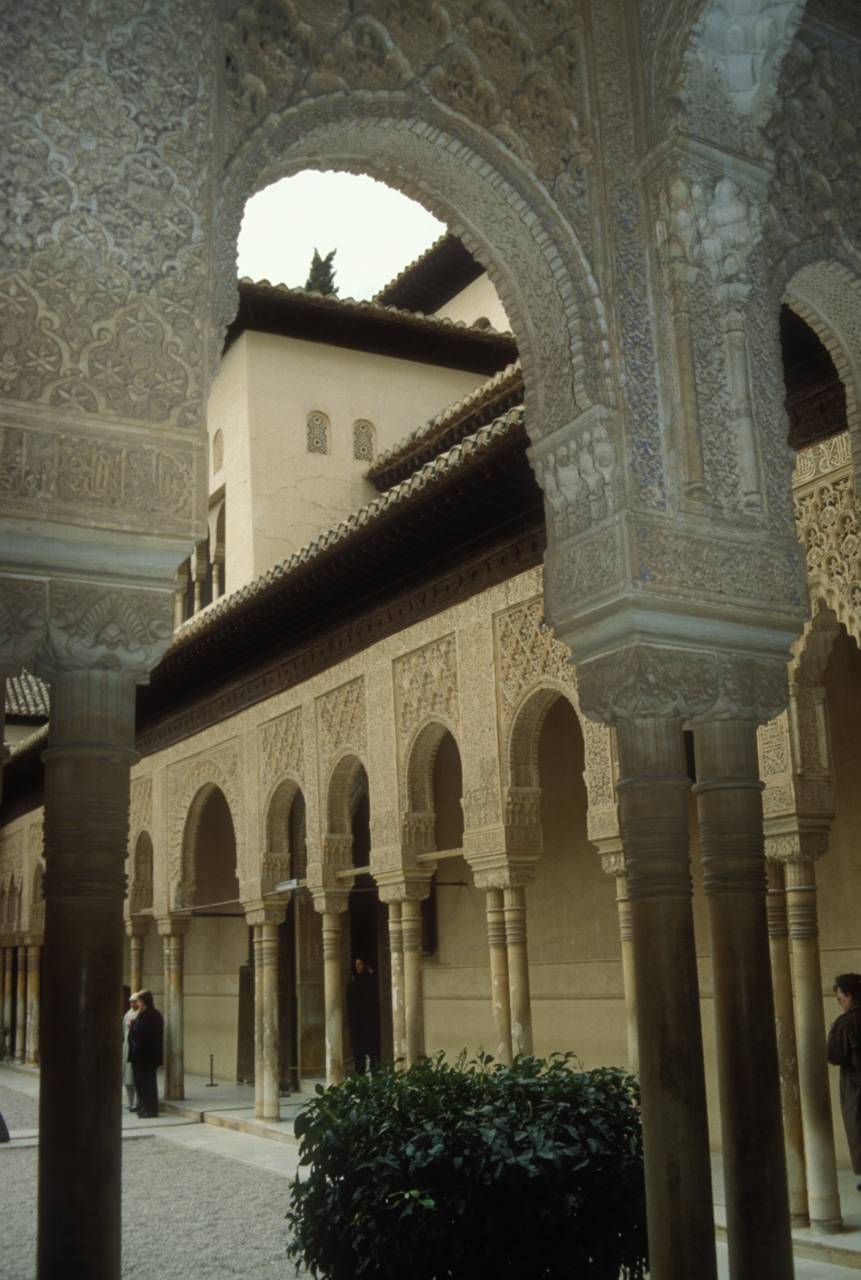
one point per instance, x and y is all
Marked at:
(472, 1169)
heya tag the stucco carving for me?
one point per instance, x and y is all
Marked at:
(426, 685)
(341, 723)
(282, 749)
(140, 808)
(92, 627)
(23, 620)
(828, 528)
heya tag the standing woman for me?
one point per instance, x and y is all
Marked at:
(128, 1071)
(844, 1051)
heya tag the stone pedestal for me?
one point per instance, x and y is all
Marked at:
(729, 803)
(654, 820)
(499, 976)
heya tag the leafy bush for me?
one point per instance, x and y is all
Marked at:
(472, 1169)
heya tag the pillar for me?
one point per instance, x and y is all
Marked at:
(331, 905)
(729, 803)
(172, 930)
(613, 862)
(396, 948)
(499, 978)
(514, 908)
(411, 925)
(822, 1189)
(787, 1053)
(652, 792)
(8, 953)
(265, 921)
(136, 930)
(21, 1006)
(34, 964)
(86, 831)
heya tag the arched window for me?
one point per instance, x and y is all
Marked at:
(217, 451)
(363, 440)
(318, 432)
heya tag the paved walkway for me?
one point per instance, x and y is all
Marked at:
(191, 1211)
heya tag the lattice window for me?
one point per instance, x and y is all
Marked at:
(217, 451)
(318, 432)
(363, 440)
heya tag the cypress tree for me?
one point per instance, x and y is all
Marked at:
(321, 277)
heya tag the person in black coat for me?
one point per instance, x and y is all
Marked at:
(362, 1015)
(146, 1053)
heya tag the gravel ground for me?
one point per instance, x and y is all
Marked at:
(187, 1215)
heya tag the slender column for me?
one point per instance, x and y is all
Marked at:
(258, 1021)
(34, 960)
(8, 953)
(626, 937)
(411, 923)
(21, 1007)
(136, 929)
(396, 947)
(822, 1188)
(86, 832)
(729, 803)
(499, 974)
(332, 995)
(787, 1053)
(173, 931)
(514, 906)
(653, 809)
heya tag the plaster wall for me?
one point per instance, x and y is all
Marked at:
(479, 299)
(279, 496)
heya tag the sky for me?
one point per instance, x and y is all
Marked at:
(375, 231)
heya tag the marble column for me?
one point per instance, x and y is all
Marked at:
(787, 1053)
(613, 862)
(822, 1189)
(34, 964)
(411, 927)
(21, 1006)
(265, 921)
(499, 979)
(514, 909)
(396, 948)
(136, 930)
(86, 832)
(729, 803)
(8, 953)
(652, 792)
(332, 905)
(173, 930)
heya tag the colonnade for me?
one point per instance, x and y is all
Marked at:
(20, 972)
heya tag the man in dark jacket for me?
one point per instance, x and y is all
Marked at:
(146, 1052)
(362, 1015)
(844, 1051)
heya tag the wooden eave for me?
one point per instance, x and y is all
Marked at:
(439, 275)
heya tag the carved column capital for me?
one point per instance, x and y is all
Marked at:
(644, 681)
(94, 626)
(23, 622)
(137, 926)
(173, 926)
(404, 886)
(260, 912)
(330, 901)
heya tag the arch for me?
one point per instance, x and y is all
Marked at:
(464, 175)
(521, 758)
(217, 451)
(420, 757)
(187, 890)
(277, 823)
(141, 886)
(340, 794)
(188, 786)
(37, 900)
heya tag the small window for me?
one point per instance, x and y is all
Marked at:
(363, 440)
(318, 433)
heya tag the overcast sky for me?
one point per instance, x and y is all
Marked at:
(375, 231)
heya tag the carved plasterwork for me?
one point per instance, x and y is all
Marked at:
(828, 527)
(103, 273)
(426, 686)
(186, 781)
(341, 724)
(282, 750)
(23, 621)
(140, 808)
(112, 629)
(649, 681)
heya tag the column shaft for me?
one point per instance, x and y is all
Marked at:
(822, 1189)
(86, 834)
(654, 820)
(787, 1053)
(396, 947)
(499, 975)
(271, 1109)
(258, 1022)
(168, 1018)
(626, 937)
(174, 1050)
(8, 953)
(411, 921)
(21, 1007)
(136, 947)
(729, 803)
(332, 995)
(514, 906)
(34, 959)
